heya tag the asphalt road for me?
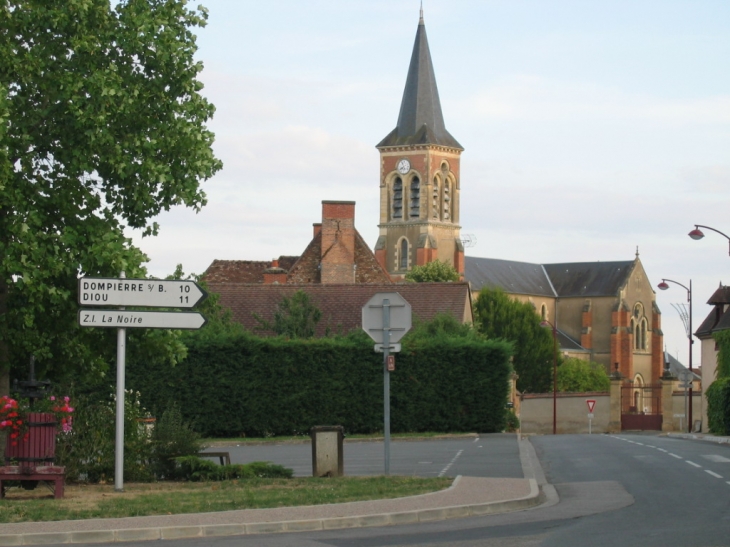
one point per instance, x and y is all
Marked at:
(494, 455)
(614, 490)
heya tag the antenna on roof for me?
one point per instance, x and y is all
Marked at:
(468, 240)
(637, 251)
(420, 17)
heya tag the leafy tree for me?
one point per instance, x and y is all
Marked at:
(435, 271)
(442, 324)
(576, 375)
(102, 127)
(295, 317)
(499, 316)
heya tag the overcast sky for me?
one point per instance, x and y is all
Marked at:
(589, 128)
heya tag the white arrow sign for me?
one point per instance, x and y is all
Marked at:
(127, 319)
(153, 293)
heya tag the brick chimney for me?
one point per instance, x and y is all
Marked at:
(274, 274)
(338, 242)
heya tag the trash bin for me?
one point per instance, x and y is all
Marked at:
(327, 459)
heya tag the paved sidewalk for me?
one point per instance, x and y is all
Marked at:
(468, 496)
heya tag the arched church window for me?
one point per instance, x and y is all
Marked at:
(643, 333)
(403, 255)
(436, 205)
(415, 198)
(447, 200)
(398, 198)
(543, 312)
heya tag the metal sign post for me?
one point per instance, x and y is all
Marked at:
(135, 292)
(591, 405)
(119, 439)
(386, 317)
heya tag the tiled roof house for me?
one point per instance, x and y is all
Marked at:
(718, 319)
(337, 270)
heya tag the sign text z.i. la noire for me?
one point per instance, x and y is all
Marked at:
(153, 293)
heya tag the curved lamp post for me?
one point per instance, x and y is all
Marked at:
(547, 324)
(663, 286)
(697, 234)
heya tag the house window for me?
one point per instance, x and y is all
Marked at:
(415, 198)
(398, 198)
(403, 254)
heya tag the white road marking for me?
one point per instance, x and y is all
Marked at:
(713, 474)
(661, 450)
(476, 440)
(674, 456)
(692, 463)
(445, 469)
(650, 446)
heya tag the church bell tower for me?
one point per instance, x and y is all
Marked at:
(419, 177)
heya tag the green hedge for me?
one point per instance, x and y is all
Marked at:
(718, 406)
(260, 387)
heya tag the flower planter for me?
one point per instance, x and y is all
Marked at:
(38, 446)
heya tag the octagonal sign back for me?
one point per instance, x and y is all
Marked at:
(400, 316)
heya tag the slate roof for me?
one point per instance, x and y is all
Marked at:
(562, 280)
(715, 320)
(420, 120)
(511, 276)
(341, 305)
(720, 296)
(589, 278)
(675, 367)
(566, 343)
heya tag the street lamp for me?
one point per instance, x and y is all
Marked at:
(545, 323)
(697, 234)
(663, 286)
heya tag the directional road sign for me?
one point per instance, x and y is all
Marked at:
(128, 319)
(400, 316)
(153, 293)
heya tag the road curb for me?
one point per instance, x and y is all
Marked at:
(533, 499)
(700, 437)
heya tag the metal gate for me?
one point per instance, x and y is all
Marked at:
(641, 407)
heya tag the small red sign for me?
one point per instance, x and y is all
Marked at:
(391, 363)
(591, 404)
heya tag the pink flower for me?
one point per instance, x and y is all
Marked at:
(53, 398)
(67, 399)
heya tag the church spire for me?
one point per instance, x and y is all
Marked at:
(420, 120)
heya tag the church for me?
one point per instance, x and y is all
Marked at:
(602, 311)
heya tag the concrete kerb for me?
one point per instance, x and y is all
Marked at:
(700, 437)
(538, 494)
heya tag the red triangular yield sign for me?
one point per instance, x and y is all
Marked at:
(591, 404)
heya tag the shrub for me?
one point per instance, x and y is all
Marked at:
(512, 422)
(576, 375)
(195, 468)
(171, 438)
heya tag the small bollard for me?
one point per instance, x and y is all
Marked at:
(327, 456)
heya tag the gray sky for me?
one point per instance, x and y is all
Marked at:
(589, 128)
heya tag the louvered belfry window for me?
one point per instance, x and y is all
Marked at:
(415, 198)
(398, 198)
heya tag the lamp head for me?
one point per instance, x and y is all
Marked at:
(696, 234)
(663, 285)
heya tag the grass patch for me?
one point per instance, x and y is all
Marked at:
(100, 501)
